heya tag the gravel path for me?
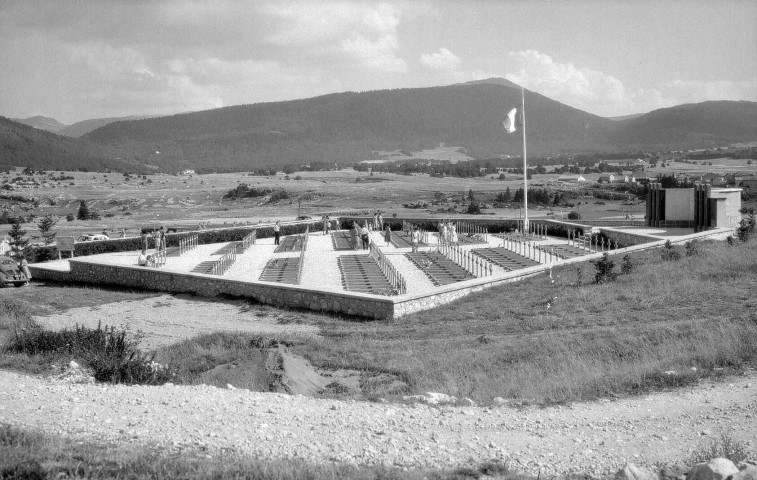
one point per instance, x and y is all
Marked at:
(595, 438)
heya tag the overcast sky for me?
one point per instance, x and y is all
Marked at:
(74, 60)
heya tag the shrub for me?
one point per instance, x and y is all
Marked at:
(111, 353)
(747, 225)
(574, 215)
(669, 252)
(604, 267)
(723, 447)
(627, 266)
(692, 248)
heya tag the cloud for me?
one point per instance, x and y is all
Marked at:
(691, 91)
(358, 31)
(442, 59)
(564, 81)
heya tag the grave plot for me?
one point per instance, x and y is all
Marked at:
(402, 240)
(505, 258)
(291, 243)
(438, 268)
(209, 265)
(227, 248)
(281, 270)
(360, 273)
(342, 240)
(470, 239)
(565, 251)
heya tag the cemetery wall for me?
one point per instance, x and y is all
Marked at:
(208, 286)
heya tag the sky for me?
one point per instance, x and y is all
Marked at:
(74, 60)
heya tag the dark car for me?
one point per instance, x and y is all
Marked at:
(10, 273)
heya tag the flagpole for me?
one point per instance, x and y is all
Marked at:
(525, 165)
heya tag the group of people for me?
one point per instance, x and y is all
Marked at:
(326, 221)
(159, 237)
(378, 221)
(447, 232)
(360, 231)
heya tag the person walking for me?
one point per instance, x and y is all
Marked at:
(276, 233)
(388, 235)
(364, 236)
(415, 237)
(354, 234)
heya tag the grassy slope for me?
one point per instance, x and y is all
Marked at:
(593, 340)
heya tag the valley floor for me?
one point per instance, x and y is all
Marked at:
(595, 438)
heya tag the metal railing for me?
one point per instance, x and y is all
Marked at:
(302, 254)
(223, 264)
(390, 272)
(159, 258)
(473, 264)
(188, 243)
(249, 240)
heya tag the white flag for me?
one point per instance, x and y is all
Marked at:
(509, 122)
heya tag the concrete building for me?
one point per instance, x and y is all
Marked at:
(701, 208)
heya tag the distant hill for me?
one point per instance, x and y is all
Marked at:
(626, 117)
(695, 125)
(80, 128)
(22, 145)
(348, 127)
(42, 123)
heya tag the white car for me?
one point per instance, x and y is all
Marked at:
(92, 238)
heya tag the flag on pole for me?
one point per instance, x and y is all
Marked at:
(509, 122)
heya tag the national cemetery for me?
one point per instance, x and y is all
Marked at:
(324, 265)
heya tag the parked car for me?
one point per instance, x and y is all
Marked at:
(304, 217)
(92, 238)
(10, 273)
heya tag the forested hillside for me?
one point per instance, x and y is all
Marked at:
(22, 145)
(349, 127)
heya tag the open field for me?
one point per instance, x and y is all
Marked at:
(186, 200)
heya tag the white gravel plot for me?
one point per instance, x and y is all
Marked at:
(251, 263)
(595, 438)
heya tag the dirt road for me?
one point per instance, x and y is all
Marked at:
(594, 438)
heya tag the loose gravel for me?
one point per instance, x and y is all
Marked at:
(595, 438)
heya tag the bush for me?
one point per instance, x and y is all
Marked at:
(692, 248)
(111, 353)
(574, 215)
(669, 252)
(627, 266)
(723, 447)
(604, 268)
(746, 226)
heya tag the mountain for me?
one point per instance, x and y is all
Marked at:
(626, 117)
(694, 125)
(42, 123)
(348, 127)
(22, 145)
(80, 128)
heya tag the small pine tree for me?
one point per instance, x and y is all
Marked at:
(627, 266)
(604, 268)
(471, 197)
(45, 226)
(17, 242)
(83, 212)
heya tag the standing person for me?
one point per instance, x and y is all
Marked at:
(162, 238)
(375, 220)
(380, 221)
(143, 238)
(453, 234)
(354, 233)
(337, 224)
(442, 232)
(323, 223)
(276, 233)
(388, 234)
(327, 225)
(415, 237)
(25, 268)
(123, 233)
(364, 236)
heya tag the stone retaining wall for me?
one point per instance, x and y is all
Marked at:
(211, 286)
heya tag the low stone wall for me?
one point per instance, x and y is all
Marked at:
(209, 286)
(626, 239)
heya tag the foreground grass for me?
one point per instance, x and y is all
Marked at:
(537, 341)
(545, 342)
(30, 455)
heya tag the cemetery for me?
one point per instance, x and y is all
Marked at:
(328, 271)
